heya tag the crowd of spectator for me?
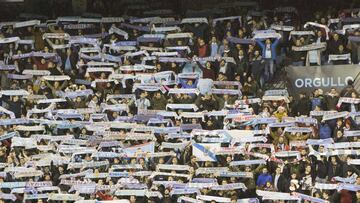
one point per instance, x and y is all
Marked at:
(177, 109)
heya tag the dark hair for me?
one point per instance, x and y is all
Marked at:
(350, 82)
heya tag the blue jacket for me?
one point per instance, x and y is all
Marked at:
(263, 179)
(273, 46)
(325, 131)
(316, 101)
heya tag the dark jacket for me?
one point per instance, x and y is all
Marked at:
(330, 102)
(15, 107)
(241, 65)
(334, 170)
(346, 92)
(282, 184)
(159, 104)
(302, 107)
(257, 68)
(206, 104)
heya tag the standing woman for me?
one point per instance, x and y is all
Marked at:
(214, 46)
(354, 107)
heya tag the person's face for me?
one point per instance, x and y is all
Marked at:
(222, 63)
(56, 84)
(213, 39)
(264, 171)
(193, 159)
(29, 89)
(256, 53)
(47, 178)
(339, 123)
(228, 33)
(78, 99)
(207, 97)
(208, 65)
(228, 159)
(302, 40)
(115, 114)
(293, 176)
(132, 199)
(316, 93)
(319, 33)
(278, 170)
(268, 41)
(87, 158)
(100, 182)
(339, 134)
(16, 98)
(353, 95)
(333, 160)
(281, 140)
(323, 21)
(194, 121)
(281, 110)
(341, 48)
(333, 91)
(358, 180)
(225, 42)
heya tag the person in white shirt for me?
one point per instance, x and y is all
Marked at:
(142, 103)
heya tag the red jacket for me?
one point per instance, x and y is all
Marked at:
(203, 50)
(104, 196)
